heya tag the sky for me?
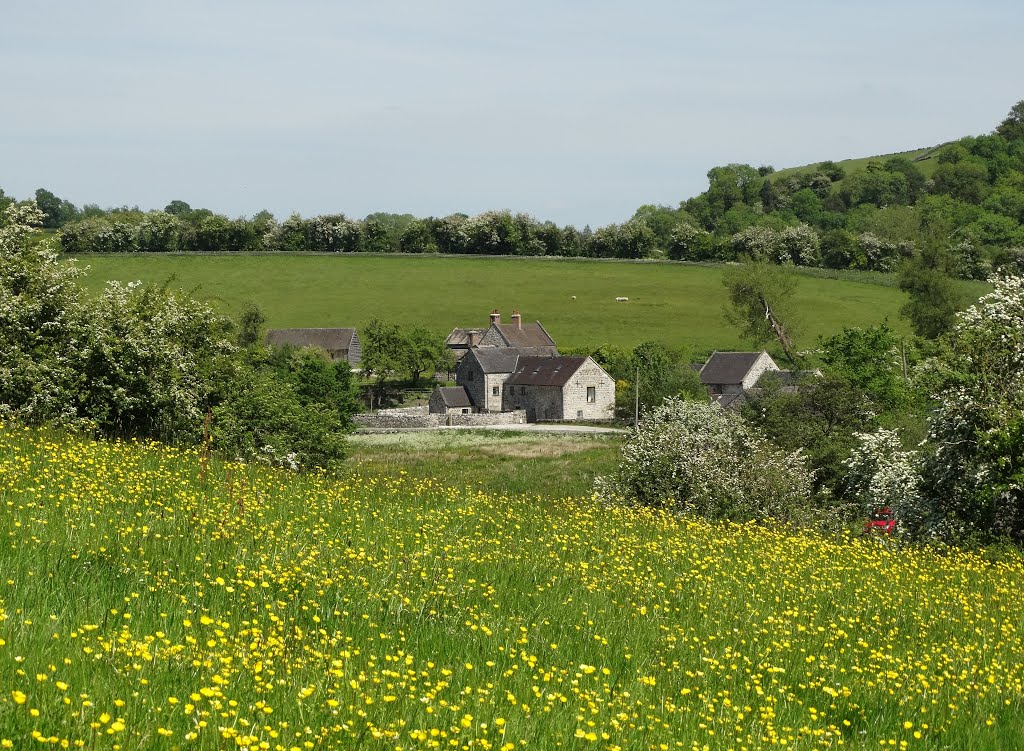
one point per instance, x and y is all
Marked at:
(576, 112)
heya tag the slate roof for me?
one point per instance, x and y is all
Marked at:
(460, 337)
(728, 367)
(454, 396)
(527, 335)
(545, 371)
(328, 339)
(730, 401)
(495, 359)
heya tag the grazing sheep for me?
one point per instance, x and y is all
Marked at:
(621, 299)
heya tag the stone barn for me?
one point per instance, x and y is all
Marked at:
(735, 372)
(560, 388)
(451, 400)
(339, 344)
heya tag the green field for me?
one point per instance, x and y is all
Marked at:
(677, 304)
(497, 462)
(924, 159)
(153, 598)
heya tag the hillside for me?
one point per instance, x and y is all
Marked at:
(677, 304)
(154, 599)
(925, 159)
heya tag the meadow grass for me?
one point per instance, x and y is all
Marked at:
(676, 304)
(152, 598)
(496, 462)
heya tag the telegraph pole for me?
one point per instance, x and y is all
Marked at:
(636, 407)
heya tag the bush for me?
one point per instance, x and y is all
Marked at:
(699, 459)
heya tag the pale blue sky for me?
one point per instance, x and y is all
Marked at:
(571, 111)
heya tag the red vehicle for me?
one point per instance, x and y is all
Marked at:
(882, 521)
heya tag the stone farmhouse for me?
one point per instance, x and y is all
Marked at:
(515, 334)
(730, 377)
(339, 344)
(510, 379)
(515, 367)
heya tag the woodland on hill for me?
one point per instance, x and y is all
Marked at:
(965, 213)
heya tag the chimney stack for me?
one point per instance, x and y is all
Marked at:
(472, 338)
(495, 316)
(517, 320)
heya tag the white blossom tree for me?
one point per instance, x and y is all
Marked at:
(697, 458)
(975, 477)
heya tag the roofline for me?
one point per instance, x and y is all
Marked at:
(550, 338)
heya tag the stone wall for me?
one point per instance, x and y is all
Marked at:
(488, 418)
(411, 417)
(418, 418)
(760, 366)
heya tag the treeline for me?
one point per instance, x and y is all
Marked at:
(490, 233)
(970, 210)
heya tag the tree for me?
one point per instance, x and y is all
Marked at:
(696, 458)
(689, 243)
(423, 350)
(416, 238)
(1012, 128)
(934, 298)
(872, 360)
(178, 208)
(56, 211)
(663, 373)
(760, 303)
(382, 352)
(974, 477)
(42, 318)
(818, 419)
(250, 325)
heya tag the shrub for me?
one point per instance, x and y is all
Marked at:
(700, 459)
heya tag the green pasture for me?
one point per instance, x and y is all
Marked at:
(924, 159)
(677, 304)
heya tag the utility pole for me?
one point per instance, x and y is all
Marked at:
(636, 407)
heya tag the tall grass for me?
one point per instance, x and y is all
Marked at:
(151, 598)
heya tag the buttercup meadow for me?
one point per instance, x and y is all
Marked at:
(153, 597)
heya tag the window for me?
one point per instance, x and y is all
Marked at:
(465, 411)
(579, 414)
(522, 390)
(470, 376)
(496, 390)
(591, 394)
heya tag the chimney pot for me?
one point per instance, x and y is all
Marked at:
(495, 316)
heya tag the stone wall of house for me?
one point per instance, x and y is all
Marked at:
(543, 403)
(761, 365)
(492, 338)
(470, 375)
(574, 394)
(493, 402)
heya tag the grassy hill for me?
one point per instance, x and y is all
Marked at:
(677, 304)
(154, 599)
(924, 159)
